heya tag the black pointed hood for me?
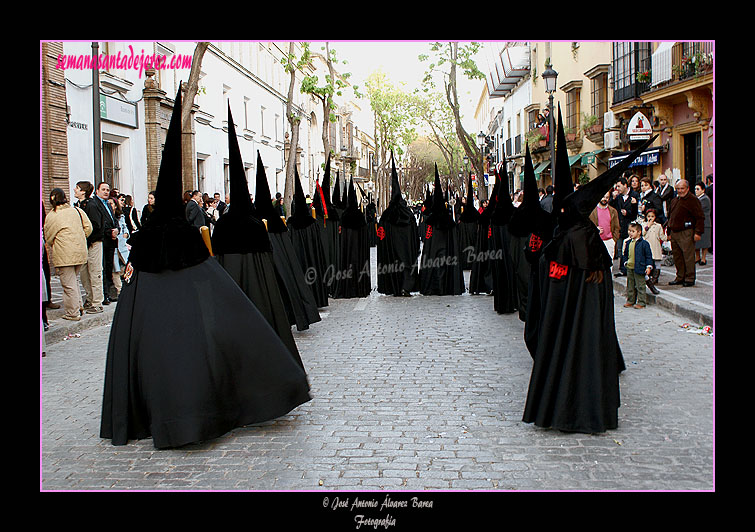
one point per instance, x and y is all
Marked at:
(563, 184)
(580, 203)
(504, 208)
(167, 240)
(263, 203)
(488, 211)
(397, 212)
(336, 201)
(353, 217)
(470, 214)
(345, 197)
(238, 230)
(530, 217)
(440, 217)
(321, 202)
(302, 214)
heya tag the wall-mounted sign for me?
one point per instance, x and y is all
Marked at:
(639, 127)
(118, 111)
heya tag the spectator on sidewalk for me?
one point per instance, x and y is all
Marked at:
(625, 202)
(91, 273)
(120, 254)
(148, 208)
(109, 243)
(639, 264)
(666, 192)
(606, 219)
(685, 225)
(702, 245)
(66, 230)
(653, 232)
(130, 213)
(650, 200)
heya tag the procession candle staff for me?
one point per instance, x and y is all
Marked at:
(439, 269)
(242, 246)
(180, 367)
(574, 385)
(398, 245)
(296, 294)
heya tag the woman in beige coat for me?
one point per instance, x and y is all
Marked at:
(66, 230)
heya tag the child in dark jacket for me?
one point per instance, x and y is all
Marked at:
(639, 264)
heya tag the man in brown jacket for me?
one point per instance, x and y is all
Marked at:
(606, 219)
(685, 224)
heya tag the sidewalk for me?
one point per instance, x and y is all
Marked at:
(693, 304)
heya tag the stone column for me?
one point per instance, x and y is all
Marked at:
(154, 123)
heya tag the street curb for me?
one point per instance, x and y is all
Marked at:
(667, 301)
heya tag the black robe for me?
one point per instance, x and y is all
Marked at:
(467, 231)
(505, 294)
(481, 276)
(352, 277)
(181, 366)
(398, 249)
(574, 384)
(370, 214)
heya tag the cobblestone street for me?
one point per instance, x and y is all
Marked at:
(420, 393)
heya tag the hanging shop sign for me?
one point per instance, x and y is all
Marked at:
(639, 127)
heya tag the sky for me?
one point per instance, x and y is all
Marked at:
(399, 60)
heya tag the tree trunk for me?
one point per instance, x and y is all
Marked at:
(190, 91)
(473, 152)
(294, 122)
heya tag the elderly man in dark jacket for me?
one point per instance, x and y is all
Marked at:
(685, 225)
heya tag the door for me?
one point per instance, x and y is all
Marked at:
(693, 161)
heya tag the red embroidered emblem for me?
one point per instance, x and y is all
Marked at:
(558, 271)
(339, 229)
(429, 232)
(381, 233)
(535, 243)
(490, 231)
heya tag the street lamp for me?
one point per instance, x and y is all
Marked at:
(549, 76)
(343, 160)
(481, 142)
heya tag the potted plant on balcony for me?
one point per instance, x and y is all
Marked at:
(590, 124)
(535, 139)
(573, 138)
(643, 77)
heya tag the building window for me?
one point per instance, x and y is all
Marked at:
(202, 185)
(627, 59)
(262, 121)
(110, 165)
(599, 96)
(572, 109)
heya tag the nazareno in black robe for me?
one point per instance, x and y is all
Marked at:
(352, 278)
(370, 214)
(481, 275)
(241, 245)
(180, 366)
(398, 245)
(296, 294)
(467, 229)
(531, 227)
(439, 269)
(574, 386)
(505, 295)
(307, 242)
(328, 222)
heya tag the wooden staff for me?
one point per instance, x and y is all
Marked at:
(206, 237)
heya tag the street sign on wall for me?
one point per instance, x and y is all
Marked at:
(118, 111)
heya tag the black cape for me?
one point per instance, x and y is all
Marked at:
(505, 294)
(352, 277)
(468, 229)
(398, 246)
(481, 276)
(242, 246)
(307, 242)
(180, 366)
(328, 222)
(440, 271)
(574, 384)
(296, 296)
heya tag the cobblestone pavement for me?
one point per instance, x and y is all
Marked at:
(420, 393)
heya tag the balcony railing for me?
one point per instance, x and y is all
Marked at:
(688, 60)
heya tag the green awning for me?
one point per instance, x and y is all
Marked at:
(574, 158)
(540, 167)
(589, 157)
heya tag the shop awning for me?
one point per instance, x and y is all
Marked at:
(540, 167)
(648, 157)
(589, 157)
(574, 158)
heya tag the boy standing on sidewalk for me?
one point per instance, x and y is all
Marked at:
(639, 264)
